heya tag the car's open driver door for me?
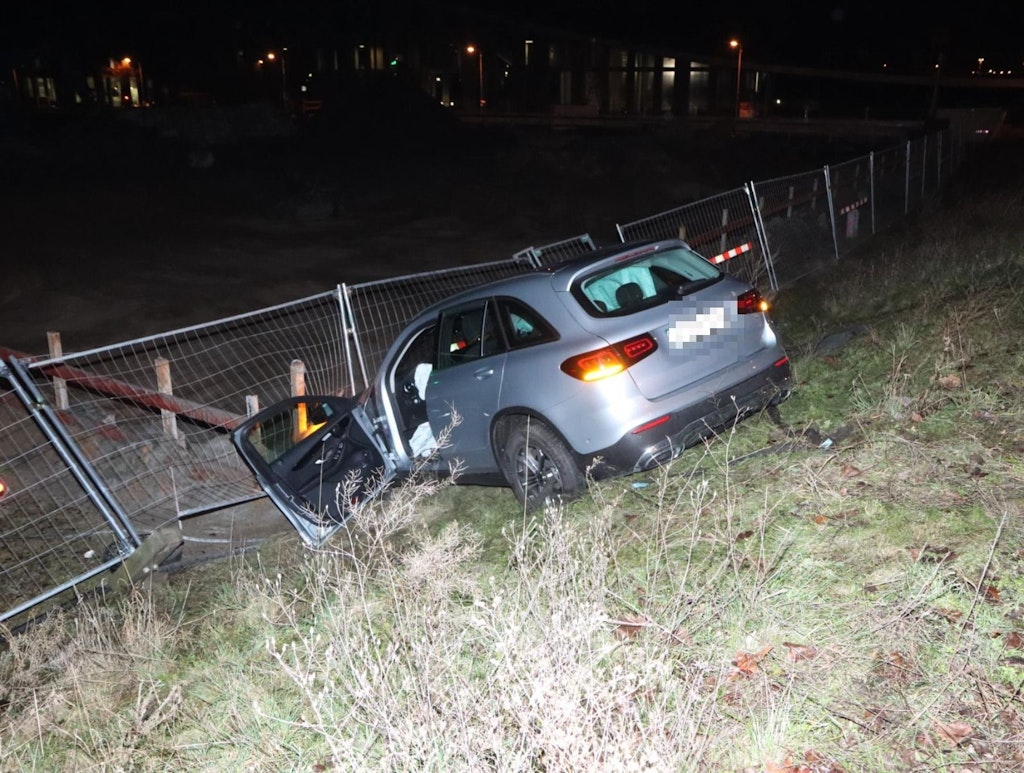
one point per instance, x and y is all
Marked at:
(316, 457)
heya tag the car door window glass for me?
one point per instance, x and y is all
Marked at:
(467, 334)
(523, 326)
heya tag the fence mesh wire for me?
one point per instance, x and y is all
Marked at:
(889, 187)
(380, 310)
(797, 226)
(558, 252)
(153, 416)
(722, 228)
(850, 197)
(917, 172)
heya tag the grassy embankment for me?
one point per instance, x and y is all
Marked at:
(855, 607)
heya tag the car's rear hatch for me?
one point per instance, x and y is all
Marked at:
(697, 337)
(688, 308)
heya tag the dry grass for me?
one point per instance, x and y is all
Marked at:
(846, 600)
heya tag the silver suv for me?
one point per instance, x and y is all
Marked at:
(607, 365)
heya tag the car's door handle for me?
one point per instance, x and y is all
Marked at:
(483, 373)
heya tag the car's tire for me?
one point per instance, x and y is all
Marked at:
(538, 465)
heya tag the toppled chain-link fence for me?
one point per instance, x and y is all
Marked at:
(98, 449)
(149, 421)
(58, 526)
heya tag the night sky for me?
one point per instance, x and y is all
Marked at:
(861, 35)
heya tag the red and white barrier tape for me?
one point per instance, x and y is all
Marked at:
(853, 206)
(728, 254)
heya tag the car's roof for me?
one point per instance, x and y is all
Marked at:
(557, 277)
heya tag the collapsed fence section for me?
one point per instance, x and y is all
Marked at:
(153, 416)
(56, 526)
(149, 421)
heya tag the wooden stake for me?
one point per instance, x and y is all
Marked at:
(60, 386)
(164, 387)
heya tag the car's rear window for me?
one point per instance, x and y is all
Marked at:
(648, 280)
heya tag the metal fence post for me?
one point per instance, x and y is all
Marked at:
(831, 211)
(906, 181)
(924, 164)
(871, 187)
(351, 339)
(762, 233)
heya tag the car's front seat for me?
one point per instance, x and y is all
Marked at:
(629, 295)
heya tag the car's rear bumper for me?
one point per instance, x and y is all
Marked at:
(642, 450)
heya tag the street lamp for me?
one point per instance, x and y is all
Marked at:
(271, 56)
(471, 49)
(739, 68)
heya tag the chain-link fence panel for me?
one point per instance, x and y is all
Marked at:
(56, 528)
(153, 416)
(942, 144)
(794, 211)
(557, 252)
(917, 172)
(889, 186)
(380, 310)
(722, 228)
(849, 186)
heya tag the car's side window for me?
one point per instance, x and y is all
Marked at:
(468, 333)
(523, 325)
(418, 357)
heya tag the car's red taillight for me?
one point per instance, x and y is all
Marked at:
(601, 363)
(751, 302)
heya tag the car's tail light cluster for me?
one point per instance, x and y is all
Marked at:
(751, 302)
(601, 363)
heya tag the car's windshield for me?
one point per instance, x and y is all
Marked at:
(649, 280)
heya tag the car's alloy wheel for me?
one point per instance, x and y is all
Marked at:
(538, 466)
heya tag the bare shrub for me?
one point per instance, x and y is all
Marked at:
(86, 690)
(416, 663)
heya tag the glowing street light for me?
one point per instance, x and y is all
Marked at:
(739, 67)
(471, 49)
(271, 56)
